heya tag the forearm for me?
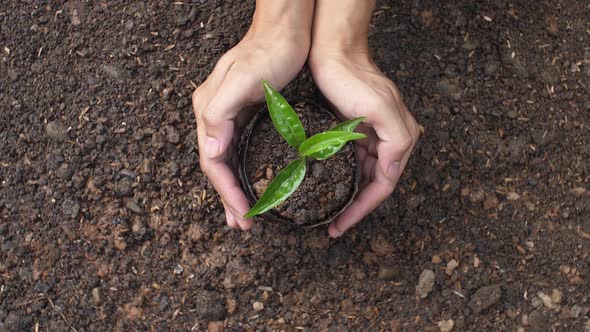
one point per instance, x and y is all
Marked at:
(342, 25)
(287, 17)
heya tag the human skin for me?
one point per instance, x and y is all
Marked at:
(274, 49)
(344, 70)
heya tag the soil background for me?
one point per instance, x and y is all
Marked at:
(106, 222)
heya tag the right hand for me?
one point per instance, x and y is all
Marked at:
(275, 54)
(356, 87)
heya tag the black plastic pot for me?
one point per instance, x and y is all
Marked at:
(247, 187)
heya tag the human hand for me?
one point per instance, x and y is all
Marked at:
(274, 49)
(356, 87)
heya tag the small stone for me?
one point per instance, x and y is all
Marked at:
(164, 302)
(512, 196)
(546, 299)
(414, 201)
(216, 326)
(13, 74)
(476, 261)
(512, 314)
(258, 306)
(425, 283)
(451, 266)
(347, 306)
(576, 311)
(133, 207)
(128, 173)
(317, 170)
(491, 202)
(565, 269)
(388, 271)
(317, 240)
(381, 246)
(448, 88)
(113, 72)
(57, 131)
(37, 68)
(436, 259)
(43, 19)
(178, 269)
(477, 195)
(138, 227)
(269, 173)
(538, 321)
(172, 134)
(97, 295)
(512, 114)
(556, 296)
(491, 68)
(238, 274)
(170, 169)
(337, 254)
(446, 325)
(70, 208)
(485, 297)
(42, 287)
(260, 186)
(210, 305)
(470, 44)
(167, 92)
(536, 302)
(124, 187)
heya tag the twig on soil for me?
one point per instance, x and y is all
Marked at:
(18, 305)
(61, 314)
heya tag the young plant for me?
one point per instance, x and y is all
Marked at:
(320, 147)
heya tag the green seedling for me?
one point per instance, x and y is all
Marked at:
(319, 147)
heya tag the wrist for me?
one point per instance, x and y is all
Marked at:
(321, 55)
(342, 26)
(284, 19)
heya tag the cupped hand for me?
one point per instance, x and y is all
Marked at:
(221, 105)
(356, 87)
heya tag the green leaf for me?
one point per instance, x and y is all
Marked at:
(284, 117)
(327, 140)
(281, 187)
(348, 126)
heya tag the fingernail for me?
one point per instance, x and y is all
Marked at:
(212, 147)
(227, 217)
(393, 169)
(334, 232)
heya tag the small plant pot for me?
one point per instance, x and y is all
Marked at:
(329, 186)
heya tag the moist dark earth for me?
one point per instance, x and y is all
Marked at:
(328, 185)
(107, 223)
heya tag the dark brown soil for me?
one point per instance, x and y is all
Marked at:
(107, 223)
(328, 185)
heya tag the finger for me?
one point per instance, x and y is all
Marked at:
(226, 184)
(230, 219)
(224, 181)
(366, 201)
(394, 142)
(233, 94)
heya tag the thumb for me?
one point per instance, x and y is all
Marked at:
(218, 118)
(394, 142)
